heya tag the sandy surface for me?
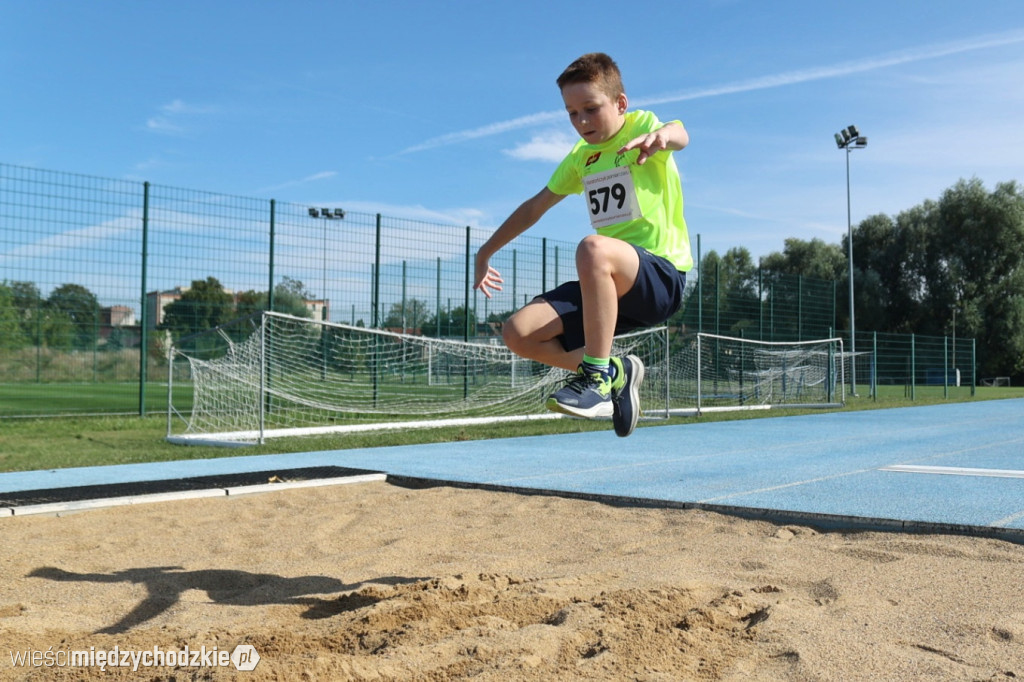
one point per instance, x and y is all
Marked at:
(377, 582)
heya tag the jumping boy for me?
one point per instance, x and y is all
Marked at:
(632, 272)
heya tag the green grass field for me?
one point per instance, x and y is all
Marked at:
(60, 398)
(75, 441)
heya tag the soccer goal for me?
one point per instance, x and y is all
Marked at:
(276, 375)
(710, 372)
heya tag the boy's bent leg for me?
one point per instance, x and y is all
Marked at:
(532, 332)
(607, 270)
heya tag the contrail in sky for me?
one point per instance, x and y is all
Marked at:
(760, 83)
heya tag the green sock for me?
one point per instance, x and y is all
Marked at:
(601, 365)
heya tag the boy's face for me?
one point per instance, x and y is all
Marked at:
(594, 115)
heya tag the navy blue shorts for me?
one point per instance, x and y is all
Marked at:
(656, 296)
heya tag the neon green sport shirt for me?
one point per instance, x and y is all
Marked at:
(642, 205)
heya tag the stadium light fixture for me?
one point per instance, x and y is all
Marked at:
(329, 213)
(849, 138)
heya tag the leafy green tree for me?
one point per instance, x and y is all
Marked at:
(728, 291)
(451, 322)
(294, 288)
(977, 268)
(814, 258)
(204, 306)
(82, 308)
(959, 257)
(412, 314)
(118, 339)
(289, 298)
(12, 336)
(29, 302)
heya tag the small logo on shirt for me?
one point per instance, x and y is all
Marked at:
(593, 158)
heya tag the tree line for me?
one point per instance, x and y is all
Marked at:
(951, 267)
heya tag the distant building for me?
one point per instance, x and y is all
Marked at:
(119, 318)
(320, 308)
(157, 302)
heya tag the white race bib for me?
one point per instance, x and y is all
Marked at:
(611, 197)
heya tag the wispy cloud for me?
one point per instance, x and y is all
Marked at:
(74, 241)
(842, 69)
(486, 131)
(163, 126)
(448, 216)
(322, 175)
(170, 119)
(549, 146)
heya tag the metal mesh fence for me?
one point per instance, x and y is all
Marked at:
(99, 276)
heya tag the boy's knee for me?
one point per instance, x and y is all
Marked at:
(511, 334)
(590, 244)
(594, 251)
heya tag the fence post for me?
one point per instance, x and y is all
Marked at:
(913, 368)
(376, 280)
(760, 300)
(974, 366)
(39, 339)
(544, 264)
(700, 294)
(945, 366)
(718, 291)
(144, 327)
(469, 283)
(799, 307)
(515, 280)
(270, 268)
(465, 324)
(874, 366)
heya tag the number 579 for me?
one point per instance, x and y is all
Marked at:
(599, 197)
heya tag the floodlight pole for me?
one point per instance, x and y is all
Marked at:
(849, 259)
(850, 139)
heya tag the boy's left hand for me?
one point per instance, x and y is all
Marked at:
(665, 137)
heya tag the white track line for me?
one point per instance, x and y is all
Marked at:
(103, 503)
(954, 471)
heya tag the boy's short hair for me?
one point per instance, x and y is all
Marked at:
(595, 67)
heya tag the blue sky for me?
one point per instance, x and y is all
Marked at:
(448, 111)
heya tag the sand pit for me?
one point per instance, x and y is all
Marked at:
(378, 582)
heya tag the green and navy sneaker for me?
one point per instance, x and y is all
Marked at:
(585, 394)
(629, 374)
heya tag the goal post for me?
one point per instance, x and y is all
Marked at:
(718, 373)
(278, 375)
(273, 375)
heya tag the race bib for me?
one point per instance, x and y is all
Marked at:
(611, 197)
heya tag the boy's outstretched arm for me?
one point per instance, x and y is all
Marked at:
(671, 136)
(528, 213)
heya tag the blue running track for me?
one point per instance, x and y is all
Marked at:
(956, 467)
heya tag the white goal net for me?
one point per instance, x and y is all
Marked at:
(278, 375)
(712, 372)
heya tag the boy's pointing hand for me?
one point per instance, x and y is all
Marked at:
(671, 136)
(648, 144)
